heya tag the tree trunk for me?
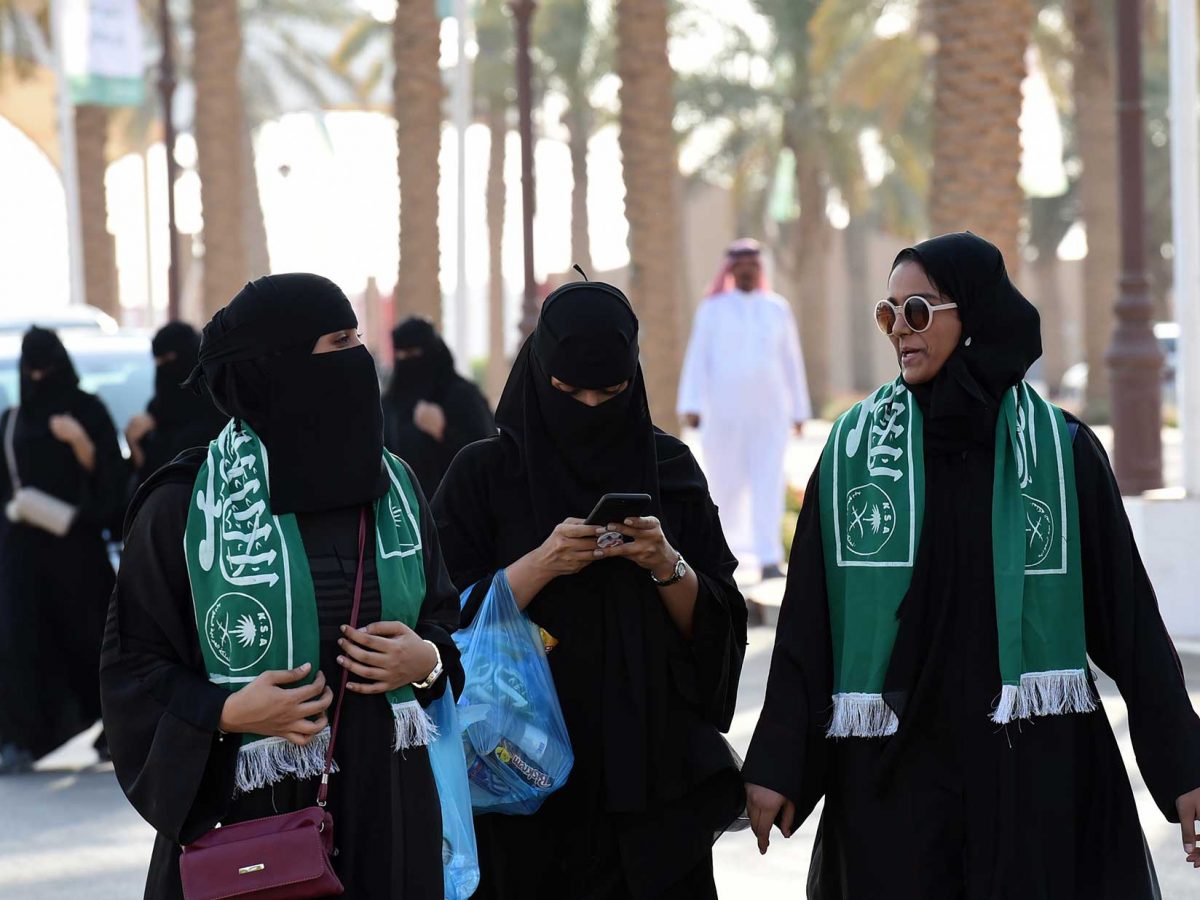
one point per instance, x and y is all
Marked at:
(579, 126)
(497, 368)
(417, 102)
(99, 248)
(220, 155)
(1045, 272)
(1095, 91)
(978, 70)
(652, 202)
(258, 258)
(813, 237)
(857, 238)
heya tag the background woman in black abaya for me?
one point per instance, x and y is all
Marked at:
(54, 590)
(647, 675)
(944, 783)
(284, 361)
(430, 411)
(178, 418)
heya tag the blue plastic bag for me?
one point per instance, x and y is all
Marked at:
(460, 857)
(517, 748)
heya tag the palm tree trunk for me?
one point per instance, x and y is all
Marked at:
(814, 235)
(652, 202)
(417, 106)
(978, 71)
(579, 127)
(99, 248)
(1045, 271)
(857, 241)
(220, 155)
(258, 258)
(1096, 129)
(497, 368)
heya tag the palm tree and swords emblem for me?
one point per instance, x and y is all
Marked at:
(872, 519)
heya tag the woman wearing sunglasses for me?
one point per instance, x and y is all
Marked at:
(963, 553)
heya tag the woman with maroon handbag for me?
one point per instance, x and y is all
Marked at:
(283, 613)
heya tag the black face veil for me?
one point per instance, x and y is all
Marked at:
(318, 415)
(587, 338)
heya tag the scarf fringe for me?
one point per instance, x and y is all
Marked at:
(861, 715)
(270, 760)
(414, 728)
(1054, 693)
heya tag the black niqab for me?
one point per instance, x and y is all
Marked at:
(586, 337)
(421, 377)
(318, 415)
(176, 348)
(43, 352)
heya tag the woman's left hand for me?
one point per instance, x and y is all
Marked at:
(649, 549)
(1188, 807)
(67, 429)
(388, 655)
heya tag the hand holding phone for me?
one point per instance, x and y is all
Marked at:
(616, 508)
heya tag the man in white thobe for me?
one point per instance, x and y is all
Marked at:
(743, 386)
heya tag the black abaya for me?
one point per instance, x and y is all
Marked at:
(162, 713)
(953, 805)
(53, 591)
(653, 780)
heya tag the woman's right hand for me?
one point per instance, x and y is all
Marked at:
(570, 548)
(266, 706)
(764, 806)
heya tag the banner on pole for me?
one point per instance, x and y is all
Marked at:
(102, 52)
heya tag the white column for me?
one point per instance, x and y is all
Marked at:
(462, 120)
(69, 162)
(1185, 206)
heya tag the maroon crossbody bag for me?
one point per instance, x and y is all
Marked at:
(285, 857)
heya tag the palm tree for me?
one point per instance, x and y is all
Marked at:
(794, 137)
(574, 56)
(220, 153)
(417, 93)
(978, 70)
(652, 201)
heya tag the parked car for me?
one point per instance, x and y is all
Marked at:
(79, 316)
(1073, 388)
(117, 366)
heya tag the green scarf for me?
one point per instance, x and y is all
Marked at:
(872, 508)
(254, 599)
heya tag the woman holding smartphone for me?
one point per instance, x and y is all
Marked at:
(649, 633)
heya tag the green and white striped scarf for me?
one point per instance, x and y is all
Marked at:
(872, 507)
(254, 599)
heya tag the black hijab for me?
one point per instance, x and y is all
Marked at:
(318, 415)
(42, 351)
(1001, 336)
(586, 337)
(177, 345)
(423, 377)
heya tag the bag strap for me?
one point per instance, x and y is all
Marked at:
(9, 453)
(323, 792)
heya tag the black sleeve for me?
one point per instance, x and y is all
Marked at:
(718, 644)
(468, 419)
(1126, 636)
(105, 488)
(439, 612)
(6, 488)
(788, 752)
(161, 713)
(462, 510)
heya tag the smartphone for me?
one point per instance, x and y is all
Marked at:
(617, 508)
